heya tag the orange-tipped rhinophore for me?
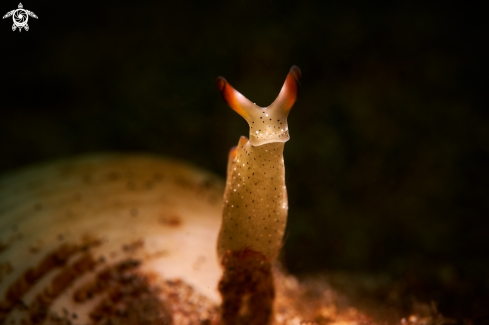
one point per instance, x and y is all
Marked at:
(267, 124)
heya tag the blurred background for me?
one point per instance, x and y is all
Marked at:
(387, 167)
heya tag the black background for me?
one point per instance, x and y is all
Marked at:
(387, 167)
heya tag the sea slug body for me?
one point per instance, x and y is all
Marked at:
(254, 206)
(255, 199)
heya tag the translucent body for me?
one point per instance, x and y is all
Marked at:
(255, 200)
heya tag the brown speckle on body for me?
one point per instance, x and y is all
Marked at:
(3, 246)
(113, 176)
(133, 247)
(170, 220)
(5, 269)
(158, 177)
(34, 249)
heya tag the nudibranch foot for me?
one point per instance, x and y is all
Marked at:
(246, 288)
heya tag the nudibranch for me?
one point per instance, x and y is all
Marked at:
(255, 199)
(254, 205)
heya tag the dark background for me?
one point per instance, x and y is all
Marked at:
(387, 167)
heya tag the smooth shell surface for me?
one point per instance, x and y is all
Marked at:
(64, 222)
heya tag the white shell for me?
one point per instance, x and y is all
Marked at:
(161, 212)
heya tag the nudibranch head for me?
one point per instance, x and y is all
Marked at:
(267, 124)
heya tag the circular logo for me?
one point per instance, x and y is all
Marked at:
(20, 17)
